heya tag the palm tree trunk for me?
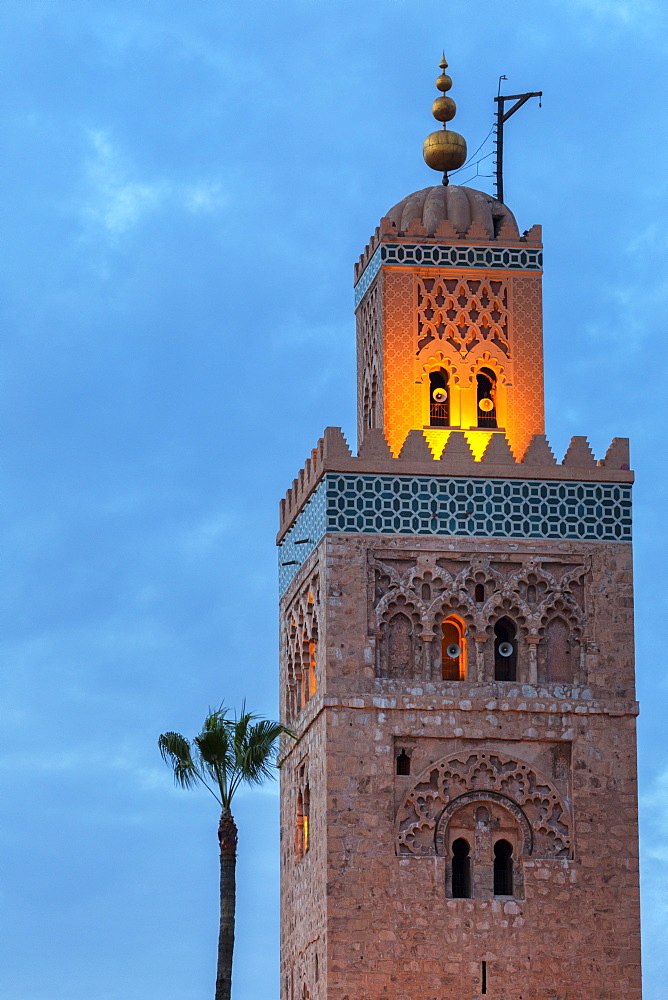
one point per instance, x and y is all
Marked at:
(227, 838)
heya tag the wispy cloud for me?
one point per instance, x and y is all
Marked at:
(118, 198)
(623, 11)
(116, 201)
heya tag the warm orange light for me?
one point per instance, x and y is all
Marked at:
(515, 357)
(453, 667)
(311, 667)
(478, 441)
(436, 439)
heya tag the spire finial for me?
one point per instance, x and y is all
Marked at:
(444, 150)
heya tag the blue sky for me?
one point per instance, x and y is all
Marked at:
(184, 190)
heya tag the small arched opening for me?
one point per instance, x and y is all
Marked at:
(403, 763)
(299, 830)
(505, 650)
(461, 869)
(558, 661)
(400, 646)
(453, 650)
(439, 399)
(306, 827)
(503, 868)
(486, 398)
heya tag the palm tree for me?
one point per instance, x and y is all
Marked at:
(226, 754)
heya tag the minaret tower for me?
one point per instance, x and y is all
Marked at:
(459, 812)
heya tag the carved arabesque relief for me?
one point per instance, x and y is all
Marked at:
(300, 644)
(370, 360)
(487, 776)
(428, 588)
(463, 314)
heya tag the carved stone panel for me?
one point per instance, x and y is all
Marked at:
(545, 600)
(484, 776)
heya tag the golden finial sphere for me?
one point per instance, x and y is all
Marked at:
(443, 82)
(444, 109)
(444, 150)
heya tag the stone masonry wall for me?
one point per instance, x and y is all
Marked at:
(380, 918)
(304, 878)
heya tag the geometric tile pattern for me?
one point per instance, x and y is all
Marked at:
(302, 538)
(401, 395)
(525, 416)
(440, 255)
(456, 506)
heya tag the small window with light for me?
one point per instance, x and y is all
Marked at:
(453, 650)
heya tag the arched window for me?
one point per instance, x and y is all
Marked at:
(299, 831)
(403, 763)
(399, 646)
(503, 868)
(302, 832)
(505, 650)
(558, 661)
(486, 384)
(439, 399)
(304, 685)
(306, 818)
(461, 869)
(312, 651)
(479, 593)
(453, 659)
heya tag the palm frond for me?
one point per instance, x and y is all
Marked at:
(175, 751)
(255, 745)
(229, 752)
(214, 719)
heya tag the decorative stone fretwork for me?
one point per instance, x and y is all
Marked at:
(486, 776)
(370, 361)
(463, 314)
(423, 590)
(299, 641)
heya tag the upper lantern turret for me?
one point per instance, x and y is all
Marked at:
(444, 150)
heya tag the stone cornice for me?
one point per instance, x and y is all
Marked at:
(525, 700)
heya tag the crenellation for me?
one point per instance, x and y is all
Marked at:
(498, 451)
(579, 454)
(539, 452)
(333, 454)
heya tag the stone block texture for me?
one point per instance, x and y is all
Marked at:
(376, 907)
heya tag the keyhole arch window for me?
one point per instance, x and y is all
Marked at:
(503, 868)
(453, 649)
(439, 398)
(461, 869)
(303, 828)
(505, 650)
(486, 389)
(555, 661)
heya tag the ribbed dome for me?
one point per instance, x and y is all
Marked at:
(459, 205)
